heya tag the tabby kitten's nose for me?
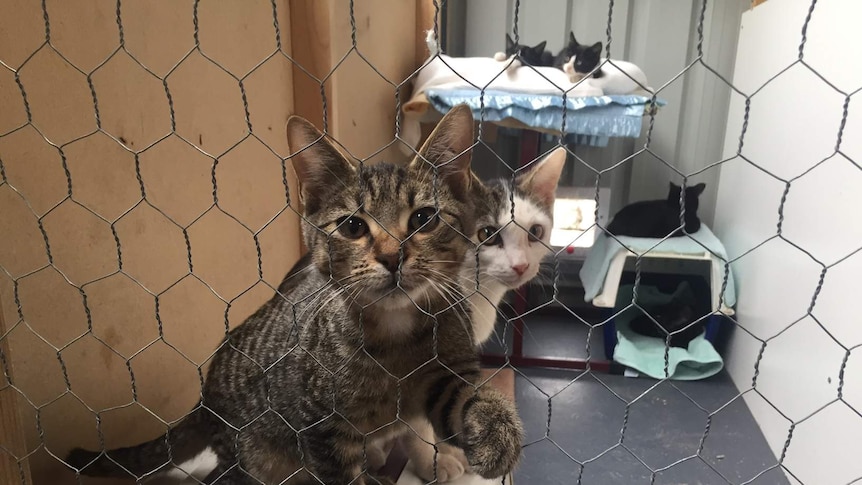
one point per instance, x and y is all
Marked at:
(389, 261)
(521, 268)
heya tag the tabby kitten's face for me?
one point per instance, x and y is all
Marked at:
(383, 231)
(511, 249)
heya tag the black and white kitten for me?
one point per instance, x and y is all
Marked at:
(658, 218)
(535, 56)
(617, 77)
(582, 57)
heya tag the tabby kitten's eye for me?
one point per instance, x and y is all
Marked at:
(536, 232)
(352, 227)
(423, 220)
(489, 236)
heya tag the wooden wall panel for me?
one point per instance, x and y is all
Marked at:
(177, 179)
(364, 97)
(360, 98)
(310, 33)
(11, 430)
(54, 344)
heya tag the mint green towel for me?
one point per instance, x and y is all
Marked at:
(647, 354)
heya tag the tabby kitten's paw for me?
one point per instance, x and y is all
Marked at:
(458, 454)
(377, 452)
(449, 468)
(492, 434)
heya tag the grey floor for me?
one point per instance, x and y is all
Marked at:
(572, 417)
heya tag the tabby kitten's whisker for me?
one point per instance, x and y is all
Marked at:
(452, 303)
(330, 292)
(460, 288)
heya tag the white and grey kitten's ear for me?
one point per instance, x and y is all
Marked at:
(542, 179)
(449, 149)
(315, 159)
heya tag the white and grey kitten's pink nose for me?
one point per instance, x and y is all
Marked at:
(521, 268)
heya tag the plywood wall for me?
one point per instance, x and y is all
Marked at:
(90, 339)
(136, 227)
(360, 80)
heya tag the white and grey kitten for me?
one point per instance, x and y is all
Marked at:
(511, 248)
(510, 251)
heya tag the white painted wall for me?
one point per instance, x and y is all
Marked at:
(793, 126)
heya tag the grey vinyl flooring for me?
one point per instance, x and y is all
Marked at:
(603, 428)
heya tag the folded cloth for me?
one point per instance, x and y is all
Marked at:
(647, 354)
(605, 249)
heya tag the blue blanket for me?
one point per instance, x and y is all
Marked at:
(598, 116)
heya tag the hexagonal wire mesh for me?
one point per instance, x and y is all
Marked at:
(78, 197)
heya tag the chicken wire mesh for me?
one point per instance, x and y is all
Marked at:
(114, 225)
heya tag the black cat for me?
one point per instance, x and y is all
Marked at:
(586, 57)
(671, 316)
(658, 218)
(535, 56)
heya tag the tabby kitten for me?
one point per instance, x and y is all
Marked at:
(509, 255)
(295, 393)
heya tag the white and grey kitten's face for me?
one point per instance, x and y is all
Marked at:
(512, 252)
(511, 249)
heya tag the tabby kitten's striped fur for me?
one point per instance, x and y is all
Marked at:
(321, 369)
(514, 219)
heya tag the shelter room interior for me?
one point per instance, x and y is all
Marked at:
(688, 316)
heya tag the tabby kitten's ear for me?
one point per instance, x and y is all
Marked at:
(318, 164)
(542, 179)
(448, 148)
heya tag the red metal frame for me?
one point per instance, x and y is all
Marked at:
(530, 149)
